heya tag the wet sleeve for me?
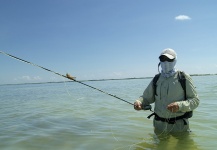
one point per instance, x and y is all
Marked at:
(192, 101)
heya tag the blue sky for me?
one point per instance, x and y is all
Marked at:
(95, 39)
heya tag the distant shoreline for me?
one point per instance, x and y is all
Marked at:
(102, 79)
(203, 74)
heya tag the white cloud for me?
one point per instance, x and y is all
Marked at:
(182, 17)
(28, 78)
(36, 78)
(119, 74)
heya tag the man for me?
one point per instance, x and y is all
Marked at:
(172, 109)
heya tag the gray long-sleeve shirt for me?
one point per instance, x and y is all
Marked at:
(169, 90)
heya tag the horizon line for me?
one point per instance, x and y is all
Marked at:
(98, 80)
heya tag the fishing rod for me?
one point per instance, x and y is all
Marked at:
(68, 76)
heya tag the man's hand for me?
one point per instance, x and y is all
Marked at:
(137, 105)
(173, 107)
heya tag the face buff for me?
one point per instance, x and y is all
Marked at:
(168, 69)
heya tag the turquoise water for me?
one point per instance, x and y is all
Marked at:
(66, 116)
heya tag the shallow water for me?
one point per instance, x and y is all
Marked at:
(70, 116)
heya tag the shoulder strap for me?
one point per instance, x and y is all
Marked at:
(156, 77)
(182, 81)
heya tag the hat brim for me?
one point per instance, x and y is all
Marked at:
(169, 56)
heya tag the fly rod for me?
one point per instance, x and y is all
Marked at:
(68, 76)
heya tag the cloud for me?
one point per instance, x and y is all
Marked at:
(28, 78)
(182, 18)
(119, 74)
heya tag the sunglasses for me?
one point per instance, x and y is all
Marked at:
(165, 58)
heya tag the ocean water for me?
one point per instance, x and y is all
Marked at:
(70, 116)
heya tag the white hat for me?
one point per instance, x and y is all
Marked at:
(170, 53)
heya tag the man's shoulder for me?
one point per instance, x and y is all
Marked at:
(185, 76)
(183, 73)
